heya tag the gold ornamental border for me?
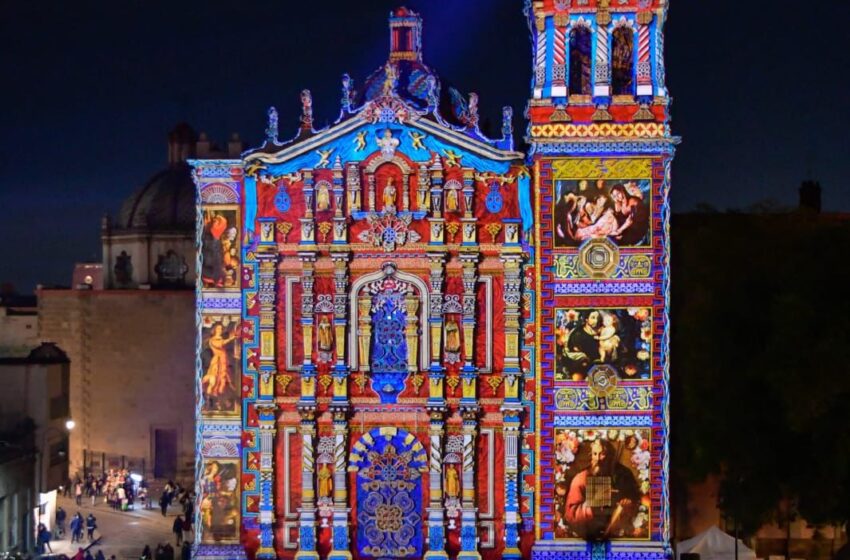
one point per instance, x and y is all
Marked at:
(600, 130)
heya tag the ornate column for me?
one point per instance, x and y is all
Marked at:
(436, 374)
(371, 179)
(602, 61)
(644, 67)
(469, 513)
(559, 56)
(437, 188)
(340, 541)
(539, 49)
(469, 411)
(307, 511)
(307, 409)
(512, 406)
(268, 428)
(411, 331)
(423, 197)
(267, 285)
(405, 193)
(339, 407)
(436, 515)
(352, 178)
(364, 331)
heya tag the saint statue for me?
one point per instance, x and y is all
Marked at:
(388, 144)
(325, 481)
(389, 196)
(452, 200)
(452, 336)
(452, 482)
(326, 337)
(323, 197)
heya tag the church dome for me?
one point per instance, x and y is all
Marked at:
(165, 203)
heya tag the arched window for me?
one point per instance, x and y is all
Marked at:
(581, 82)
(622, 61)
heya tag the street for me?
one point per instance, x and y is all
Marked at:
(123, 533)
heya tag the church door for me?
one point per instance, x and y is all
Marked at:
(389, 516)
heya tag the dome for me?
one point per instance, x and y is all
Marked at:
(165, 203)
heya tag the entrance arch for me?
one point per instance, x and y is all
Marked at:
(389, 463)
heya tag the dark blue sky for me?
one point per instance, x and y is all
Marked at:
(90, 90)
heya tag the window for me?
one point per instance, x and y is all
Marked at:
(580, 48)
(622, 61)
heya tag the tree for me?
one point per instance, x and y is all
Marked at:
(759, 353)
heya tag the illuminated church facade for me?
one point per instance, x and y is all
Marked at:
(416, 342)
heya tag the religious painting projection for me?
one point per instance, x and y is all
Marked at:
(602, 483)
(219, 356)
(594, 209)
(219, 506)
(220, 248)
(586, 338)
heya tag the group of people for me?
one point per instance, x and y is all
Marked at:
(116, 486)
(167, 552)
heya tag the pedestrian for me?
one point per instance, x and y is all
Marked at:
(187, 529)
(186, 551)
(163, 503)
(91, 525)
(99, 555)
(78, 493)
(168, 552)
(43, 539)
(177, 529)
(146, 553)
(76, 528)
(80, 555)
(61, 515)
(89, 556)
(160, 552)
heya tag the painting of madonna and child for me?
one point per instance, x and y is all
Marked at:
(587, 337)
(602, 483)
(587, 209)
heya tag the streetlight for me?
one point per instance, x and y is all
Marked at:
(69, 424)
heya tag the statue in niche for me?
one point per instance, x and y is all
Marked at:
(452, 337)
(325, 478)
(389, 196)
(323, 197)
(452, 199)
(452, 482)
(326, 337)
(123, 269)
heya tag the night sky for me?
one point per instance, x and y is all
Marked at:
(90, 90)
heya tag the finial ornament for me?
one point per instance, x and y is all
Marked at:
(306, 110)
(391, 79)
(271, 129)
(507, 122)
(473, 110)
(347, 93)
(433, 94)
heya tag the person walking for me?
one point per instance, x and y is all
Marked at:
(91, 525)
(61, 515)
(99, 555)
(186, 551)
(146, 553)
(78, 493)
(80, 555)
(43, 539)
(163, 503)
(177, 529)
(76, 528)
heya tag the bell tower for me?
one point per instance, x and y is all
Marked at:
(601, 149)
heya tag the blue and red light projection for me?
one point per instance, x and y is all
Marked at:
(415, 342)
(601, 151)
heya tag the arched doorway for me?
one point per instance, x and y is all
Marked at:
(389, 463)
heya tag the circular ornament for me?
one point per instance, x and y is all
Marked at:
(602, 380)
